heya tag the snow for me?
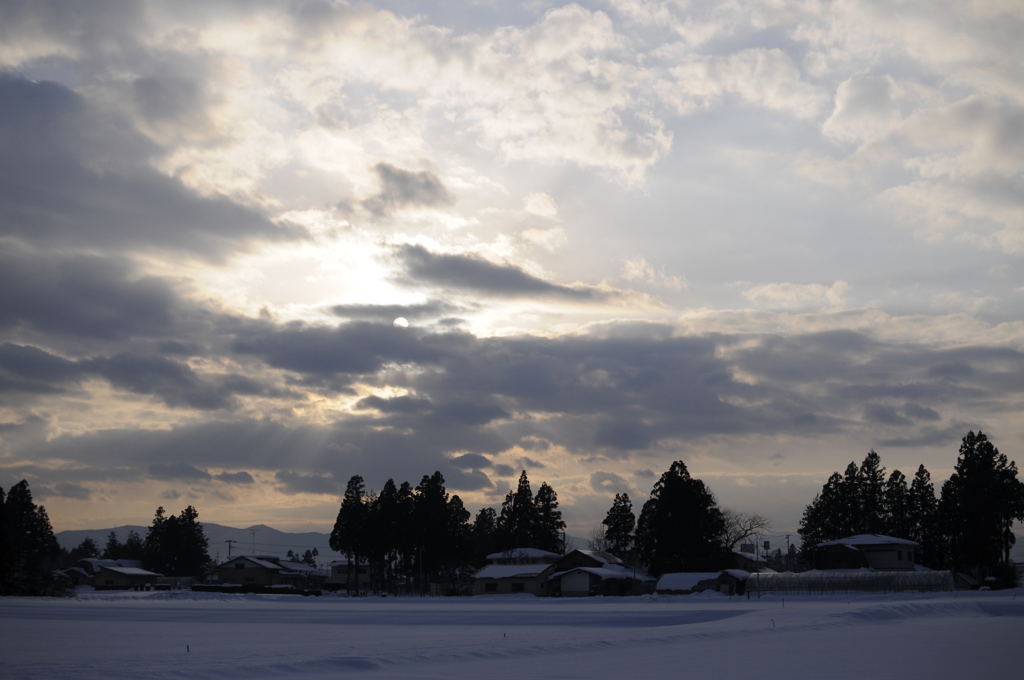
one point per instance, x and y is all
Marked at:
(131, 571)
(870, 539)
(129, 635)
(511, 570)
(523, 553)
(684, 580)
(611, 571)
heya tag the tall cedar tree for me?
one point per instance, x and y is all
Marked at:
(349, 535)
(896, 505)
(619, 524)
(872, 488)
(979, 503)
(484, 536)
(177, 545)
(924, 520)
(113, 549)
(548, 524)
(681, 527)
(31, 545)
(516, 522)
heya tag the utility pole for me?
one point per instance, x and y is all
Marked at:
(229, 542)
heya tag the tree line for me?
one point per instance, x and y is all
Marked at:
(968, 527)
(409, 537)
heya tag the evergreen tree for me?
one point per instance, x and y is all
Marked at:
(850, 518)
(871, 492)
(822, 520)
(680, 526)
(113, 549)
(923, 520)
(896, 504)
(133, 547)
(31, 544)
(484, 536)
(387, 522)
(548, 524)
(619, 524)
(6, 550)
(176, 545)
(86, 549)
(978, 505)
(349, 533)
(518, 516)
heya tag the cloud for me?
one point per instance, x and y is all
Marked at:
(796, 296)
(240, 477)
(407, 189)
(70, 178)
(427, 310)
(541, 204)
(471, 273)
(865, 107)
(604, 482)
(178, 472)
(297, 483)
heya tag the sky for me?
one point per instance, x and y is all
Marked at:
(250, 249)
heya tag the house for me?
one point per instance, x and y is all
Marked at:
(260, 571)
(85, 570)
(339, 572)
(124, 578)
(866, 551)
(728, 581)
(595, 572)
(498, 579)
(748, 561)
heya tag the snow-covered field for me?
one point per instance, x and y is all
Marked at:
(146, 635)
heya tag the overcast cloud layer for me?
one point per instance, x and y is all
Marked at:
(761, 237)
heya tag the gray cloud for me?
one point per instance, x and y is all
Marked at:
(241, 477)
(469, 273)
(178, 471)
(69, 178)
(295, 483)
(407, 189)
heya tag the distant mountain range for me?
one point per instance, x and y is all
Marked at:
(266, 541)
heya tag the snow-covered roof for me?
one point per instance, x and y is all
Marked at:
(606, 573)
(750, 556)
(93, 564)
(869, 539)
(131, 571)
(737, 574)
(685, 580)
(521, 553)
(300, 567)
(512, 570)
(77, 570)
(602, 556)
(258, 560)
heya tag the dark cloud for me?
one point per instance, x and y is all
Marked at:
(177, 471)
(502, 470)
(609, 482)
(884, 415)
(241, 477)
(407, 189)
(403, 404)
(918, 412)
(69, 177)
(470, 273)
(63, 490)
(471, 461)
(173, 382)
(85, 296)
(525, 463)
(353, 348)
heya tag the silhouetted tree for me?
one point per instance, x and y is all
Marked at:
(978, 505)
(548, 524)
(680, 526)
(349, 535)
(871, 492)
(518, 517)
(177, 545)
(896, 505)
(31, 545)
(113, 549)
(923, 520)
(619, 524)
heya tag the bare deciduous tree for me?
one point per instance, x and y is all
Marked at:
(596, 539)
(740, 526)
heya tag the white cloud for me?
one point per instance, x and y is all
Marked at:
(795, 295)
(541, 204)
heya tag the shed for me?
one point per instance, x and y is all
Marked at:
(497, 579)
(124, 578)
